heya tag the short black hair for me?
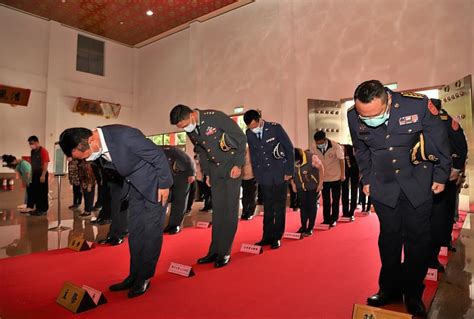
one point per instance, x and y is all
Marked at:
(298, 155)
(251, 115)
(33, 138)
(75, 137)
(319, 135)
(9, 159)
(179, 113)
(436, 103)
(369, 90)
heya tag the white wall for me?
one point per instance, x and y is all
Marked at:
(41, 55)
(274, 55)
(270, 54)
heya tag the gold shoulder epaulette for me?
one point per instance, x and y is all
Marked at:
(273, 123)
(413, 94)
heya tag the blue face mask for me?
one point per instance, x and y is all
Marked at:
(376, 120)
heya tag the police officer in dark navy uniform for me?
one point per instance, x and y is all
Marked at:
(384, 126)
(220, 144)
(272, 156)
(444, 204)
(184, 172)
(350, 183)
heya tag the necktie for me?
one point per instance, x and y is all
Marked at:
(259, 135)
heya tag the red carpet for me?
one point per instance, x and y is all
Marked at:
(318, 277)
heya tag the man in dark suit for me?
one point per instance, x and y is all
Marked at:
(184, 172)
(220, 144)
(147, 176)
(384, 126)
(273, 160)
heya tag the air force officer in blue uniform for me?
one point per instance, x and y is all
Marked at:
(272, 157)
(148, 178)
(384, 126)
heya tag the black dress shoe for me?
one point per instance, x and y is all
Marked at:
(115, 241)
(124, 285)
(246, 217)
(275, 244)
(166, 229)
(139, 288)
(209, 258)
(435, 264)
(415, 306)
(308, 233)
(174, 230)
(222, 261)
(383, 298)
(105, 221)
(263, 242)
(301, 230)
(104, 241)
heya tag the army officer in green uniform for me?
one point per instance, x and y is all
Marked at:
(220, 144)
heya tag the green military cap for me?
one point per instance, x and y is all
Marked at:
(419, 152)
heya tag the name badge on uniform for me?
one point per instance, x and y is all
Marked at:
(270, 139)
(410, 119)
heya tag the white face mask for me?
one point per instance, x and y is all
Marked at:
(190, 127)
(94, 155)
(258, 129)
(322, 146)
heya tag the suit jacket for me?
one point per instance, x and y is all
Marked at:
(142, 163)
(383, 153)
(267, 169)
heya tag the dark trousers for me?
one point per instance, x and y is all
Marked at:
(100, 185)
(259, 195)
(408, 227)
(331, 197)
(100, 195)
(294, 198)
(89, 199)
(308, 208)
(352, 180)
(106, 211)
(364, 200)
(77, 195)
(179, 199)
(119, 210)
(442, 216)
(145, 227)
(249, 196)
(274, 211)
(206, 194)
(225, 213)
(38, 193)
(192, 195)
